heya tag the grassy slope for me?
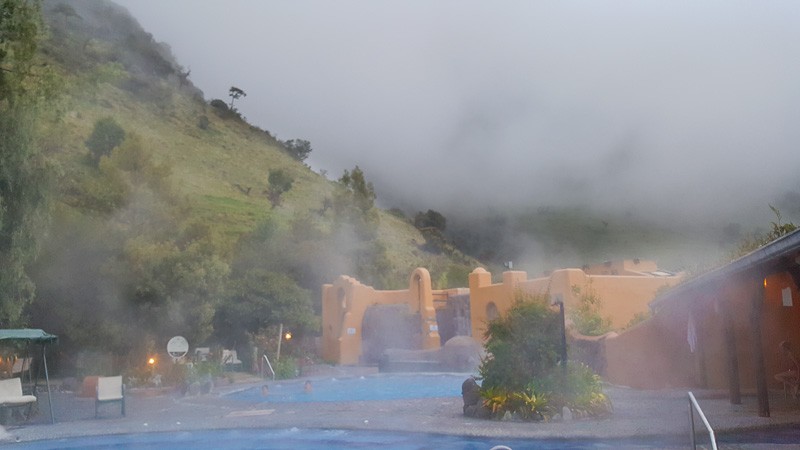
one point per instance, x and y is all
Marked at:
(207, 163)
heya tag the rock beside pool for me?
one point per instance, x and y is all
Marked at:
(471, 394)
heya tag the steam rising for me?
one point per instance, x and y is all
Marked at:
(655, 107)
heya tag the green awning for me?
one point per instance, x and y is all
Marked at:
(28, 334)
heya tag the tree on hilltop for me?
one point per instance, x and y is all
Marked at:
(298, 148)
(431, 219)
(235, 93)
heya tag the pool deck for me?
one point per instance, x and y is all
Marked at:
(637, 414)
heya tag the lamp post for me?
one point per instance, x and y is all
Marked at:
(281, 337)
(560, 302)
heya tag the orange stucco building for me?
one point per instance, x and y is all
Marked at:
(720, 330)
(624, 288)
(345, 301)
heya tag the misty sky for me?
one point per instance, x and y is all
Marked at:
(671, 106)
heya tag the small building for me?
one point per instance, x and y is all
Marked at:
(359, 321)
(720, 330)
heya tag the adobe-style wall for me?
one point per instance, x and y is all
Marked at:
(345, 301)
(621, 296)
(657, 353)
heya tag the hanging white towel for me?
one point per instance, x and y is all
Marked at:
(691, 334)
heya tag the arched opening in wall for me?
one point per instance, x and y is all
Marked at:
(491, 311)
(454, 319)
(388, 326)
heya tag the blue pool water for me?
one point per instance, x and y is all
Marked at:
(327, 439)
(372, 387)
(345, 439)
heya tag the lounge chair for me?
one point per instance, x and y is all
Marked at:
(109, 389)
(11, 395)
(230, 360)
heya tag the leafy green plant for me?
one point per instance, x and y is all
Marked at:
(577, 388)
(586, 316)
(285, 368)
(755, 241)
(526, 404)
(522, 344)
(522, 374)
(637, 319)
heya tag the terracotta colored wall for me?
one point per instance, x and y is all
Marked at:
(652, 354)
(622, 296)
(346, 300)
(662, 340)
(780, 323)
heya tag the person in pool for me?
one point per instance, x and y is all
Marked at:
(264, 390)
(308, 388)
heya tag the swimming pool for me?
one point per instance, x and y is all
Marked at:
(372, 387)
(296, 438)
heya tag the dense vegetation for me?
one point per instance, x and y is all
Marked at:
(524, 376)
(24, 170)
(132, 210)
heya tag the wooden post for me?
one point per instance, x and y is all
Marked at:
(732, 358)
(280, 338)
(758, 297)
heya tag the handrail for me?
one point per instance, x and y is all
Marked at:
(270, 367)
(692, 406)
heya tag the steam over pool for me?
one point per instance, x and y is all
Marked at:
(373, 387)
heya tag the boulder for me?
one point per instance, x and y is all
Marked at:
(471, 394)
(461, 354)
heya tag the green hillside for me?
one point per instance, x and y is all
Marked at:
(170, 229)
(132, 208)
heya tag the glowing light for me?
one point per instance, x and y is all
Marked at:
(765, 282)
(288, 335)
(151, 361)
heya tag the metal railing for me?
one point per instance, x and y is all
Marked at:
(693, 405)
(270, 368)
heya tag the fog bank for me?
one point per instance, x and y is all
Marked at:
(679, 109)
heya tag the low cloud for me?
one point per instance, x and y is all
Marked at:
(663, 108)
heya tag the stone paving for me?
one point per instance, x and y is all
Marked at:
(637, 414)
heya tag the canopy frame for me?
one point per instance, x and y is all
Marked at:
(36, 336)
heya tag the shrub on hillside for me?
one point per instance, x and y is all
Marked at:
(203, 123)
(222, 110)
(106, 135)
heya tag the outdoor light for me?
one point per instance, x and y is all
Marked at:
(765, 282)
(288, 335)
(151, 361)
